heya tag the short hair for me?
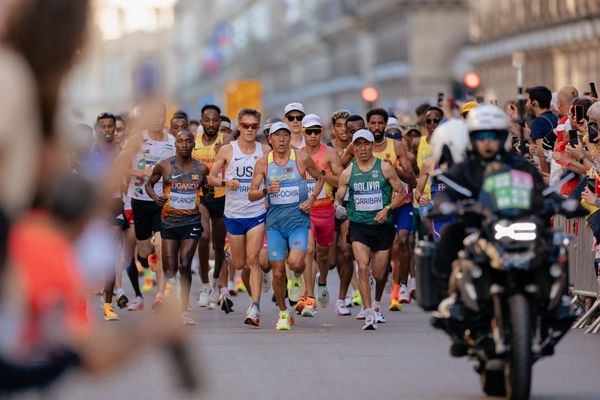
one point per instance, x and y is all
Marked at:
(344, 114)
(354, 118)
(225, 118)
(210, 107)
(594, 111)
(180, 114)
(106, 115)
(377, 111)
(541, 94)
(422, 109)
(193, 121)
(120, 117)
(434, 108)
(186, 131)
(249, 111)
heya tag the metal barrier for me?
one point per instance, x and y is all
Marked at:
(582, 276)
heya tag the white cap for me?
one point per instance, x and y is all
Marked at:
(311, 120)
(363, 133)
(392, 124)
(278, 126)
(226, 124)
(294, 107)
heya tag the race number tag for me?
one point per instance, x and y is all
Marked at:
(182, 200)
(368, 201)
(286, 195)
(310, 187)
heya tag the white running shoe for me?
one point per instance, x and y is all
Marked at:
(266, 282)
(323, 296)
(403, 295)
(136, 305)
(252, 316)
(284, 323)
(370, 321)
(348, 301)
(203, 300)
(214, 295)
(294, 287)
(361, 314)
(341, 309)
(187, 320)
(379, 318)
(412, 286)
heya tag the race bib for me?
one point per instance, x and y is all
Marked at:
(182, 200)
(370, 201)
(310, 187)
(286, 195)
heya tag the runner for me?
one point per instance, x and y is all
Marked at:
(322, 216)
(178, 123)
(225, 127)
(283, 170)
(206, 147)
(370, 182)
(244, 220)
(183, 178)
(293, 115)
(143, 151)
(394, 153)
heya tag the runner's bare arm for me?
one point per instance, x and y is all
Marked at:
(422, 181)
(221, 161)
(342, 185)
(406, 174)
(347, 156)
(255, 192)
(390, 174)
(157, 173)
(336, 168)
(207, 191)
(311, 168)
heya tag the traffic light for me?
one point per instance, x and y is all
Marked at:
(369, 95)
(472, 80)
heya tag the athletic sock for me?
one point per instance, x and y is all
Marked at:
(132, 273)
(255, 304)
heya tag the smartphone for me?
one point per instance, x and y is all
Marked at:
(593, 89)
(591, 184)
(573, 137)
(440, 98)
(479, 99)
(593, 132)
(579, 113)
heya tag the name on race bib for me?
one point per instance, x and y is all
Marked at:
(368, 201)
(182, 200)
(310, 187)
(286, 195)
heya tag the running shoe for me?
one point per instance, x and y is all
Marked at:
(226, 304)
(136, 305)
(300, 305)
(213, 297)
(403, 296)
(266, 282)
(356, 299)
(186, 319)
(158, 302)
(204, 295)
(122, 301)
(148, 284)
(370, 321)
(253, 316)
(231, 288)
(323, 296)
(379, 318)
(284, 323)
(239, 286)
(109, 313)
(412, 287)
(395, 304)
(348, 301)
(310, 308)
(294, 287)
(153, 261)
(170, 287)
(361, 314)
(341, 309)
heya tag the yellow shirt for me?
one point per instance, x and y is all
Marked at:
(423, 153)
(388, 154)
(207, 155)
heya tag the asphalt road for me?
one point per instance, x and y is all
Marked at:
(328, 357)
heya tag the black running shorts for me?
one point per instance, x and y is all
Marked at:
(376, 237)
(146, 218)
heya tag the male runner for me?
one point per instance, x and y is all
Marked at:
(370, 183)
(183, 178)
(143, 151)
(178, 123)
(293, 115)
(322, 216)
(393, 152)
(206, 147)
(244, 220)
(283, 170)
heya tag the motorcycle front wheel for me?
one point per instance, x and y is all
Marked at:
(518, 370)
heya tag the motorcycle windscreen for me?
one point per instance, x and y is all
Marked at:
(507, 192)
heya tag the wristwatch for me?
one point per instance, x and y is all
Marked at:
(265, 191)
(388, 207)
(223, 183)
(323, 172)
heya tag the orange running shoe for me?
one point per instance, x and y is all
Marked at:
(300, 305)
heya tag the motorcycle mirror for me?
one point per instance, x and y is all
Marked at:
(556, 186)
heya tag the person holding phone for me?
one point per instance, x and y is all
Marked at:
(543, 123)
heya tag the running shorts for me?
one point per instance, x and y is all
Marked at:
(404, 218)
(322, 224)
(185, 232)
(146, 218)
(376, 237)
(280, 242)
(240, 226)
(216, 207)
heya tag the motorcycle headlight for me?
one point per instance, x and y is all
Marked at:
(518, 231)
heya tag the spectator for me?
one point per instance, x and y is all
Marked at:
(565, 96)
(543, 123)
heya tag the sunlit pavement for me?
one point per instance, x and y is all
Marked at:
(328, 357)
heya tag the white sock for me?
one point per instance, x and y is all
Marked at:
(376, 305)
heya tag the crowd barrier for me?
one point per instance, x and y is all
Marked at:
(582, 275)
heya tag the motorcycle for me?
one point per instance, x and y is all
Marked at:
(508, 304)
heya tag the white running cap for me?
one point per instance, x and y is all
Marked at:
(363, 133)
(294, 107)
(311, 120)
(276, 126)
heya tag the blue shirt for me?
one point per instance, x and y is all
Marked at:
(543, 125)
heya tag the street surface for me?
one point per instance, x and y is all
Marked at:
(328, 357)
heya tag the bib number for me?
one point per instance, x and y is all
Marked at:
(182, 200)
(286, 195)
(310, 186)
(368, 201)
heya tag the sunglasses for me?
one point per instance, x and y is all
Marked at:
(294, 117)
(481, 136)
(248, 126)
(313, 131)
(432, 121)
